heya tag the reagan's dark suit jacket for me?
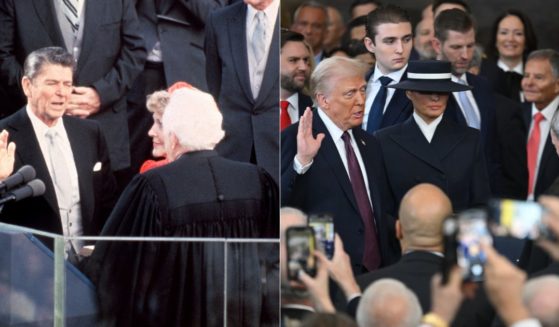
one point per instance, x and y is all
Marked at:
(97, 188)
(399, 108)
(483, 94)
(415, 270)
(112, 55)
(250, 124)
(180, 26)
(453, 161)
(326, 188)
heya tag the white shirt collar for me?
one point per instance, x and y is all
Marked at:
(548, 111)
(271, 12)
(395, 76)
(517, 69)
(457, 79)
(428, 130)
(333, 129)
(41, 128)
(293, 100)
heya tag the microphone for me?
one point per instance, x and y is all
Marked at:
(23, 175)
(34, 188)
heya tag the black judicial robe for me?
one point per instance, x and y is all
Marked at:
(180, 283)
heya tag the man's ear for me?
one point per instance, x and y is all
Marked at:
(399, 234)
(437, 45)
(322, 100)
(369, 44)
(26, 85)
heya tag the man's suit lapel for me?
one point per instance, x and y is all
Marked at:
(93, 13)
(410, 138)
(271, 73)
(330, 155)
(47, 14)
(396, 108)
(447, 136)
(80, 150)
(30, 153)
(236, 27)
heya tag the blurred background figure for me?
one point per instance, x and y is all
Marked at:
(311, 20)
(511, 41)
(334, 30)
(362, 7)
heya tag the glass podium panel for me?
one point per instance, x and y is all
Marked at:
(133, 280)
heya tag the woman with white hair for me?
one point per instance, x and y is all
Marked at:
(197, 194)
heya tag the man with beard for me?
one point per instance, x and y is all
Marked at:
(295, 69)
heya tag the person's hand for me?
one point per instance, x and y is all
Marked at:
(340, 271)
(307, 144)
(7, 155)
(503, 284)
(446, 299)
(551, 219)
(318, 286)
(84, 101)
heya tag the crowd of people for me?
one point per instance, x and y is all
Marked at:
(428, 124)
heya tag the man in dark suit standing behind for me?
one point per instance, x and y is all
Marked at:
(174, 33)
(242, 56)
(69, 155)
(295, 70)
(328, 151)
(103, 37)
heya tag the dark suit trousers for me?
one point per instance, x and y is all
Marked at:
(140, 119)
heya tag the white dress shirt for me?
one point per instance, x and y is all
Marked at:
(256, 70)
(293, 108)
(428, 130)
(373, 86)
(71, 218)
(545, 126)
(469, 94)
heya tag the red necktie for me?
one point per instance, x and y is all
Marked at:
(284, 115)
(371, 253)
(532, 150)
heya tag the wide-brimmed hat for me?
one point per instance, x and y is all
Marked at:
(429, 76)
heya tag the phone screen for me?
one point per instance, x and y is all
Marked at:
(520, 219)
(472, 232)
(324, 233)
(300, 251)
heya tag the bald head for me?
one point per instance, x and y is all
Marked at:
(422, 212)
(540, 297)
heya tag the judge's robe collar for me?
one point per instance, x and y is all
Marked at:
(197, 154)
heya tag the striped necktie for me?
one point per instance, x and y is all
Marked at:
(70, 10)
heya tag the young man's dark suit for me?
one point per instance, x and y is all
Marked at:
(453, 161)
(97, 188)
(484, 97)
(399, 108)
(112, 55)
(251, 125)
(326, 188)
